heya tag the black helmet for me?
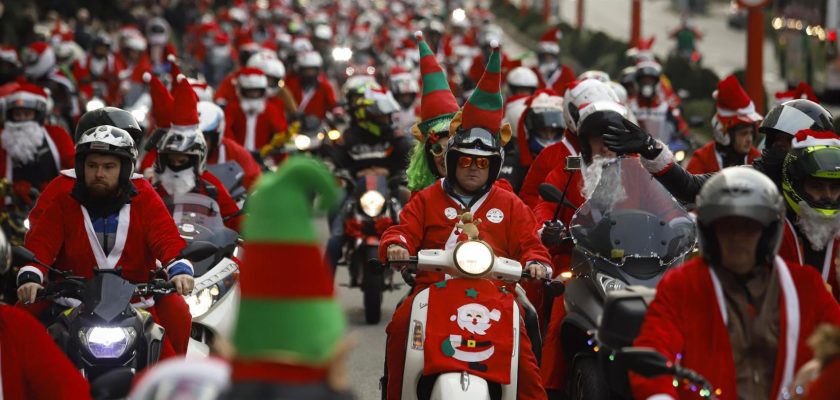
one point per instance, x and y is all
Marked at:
(595, 119)
(793, 116)
(476, 142)
(111, 116)
(740, 192)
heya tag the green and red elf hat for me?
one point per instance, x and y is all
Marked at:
(485, 107)
(289, 323)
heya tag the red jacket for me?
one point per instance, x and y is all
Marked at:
(558, 80)
(229, 150)
(226, 94)
(791, 250)
(706, 160)
(254, 131)
(428, 222)
(64, 237)
(685, 318)
(319, 102)
(227, 206)
(32, 366)
(551, 158)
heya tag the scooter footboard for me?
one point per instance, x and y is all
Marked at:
(461, 386)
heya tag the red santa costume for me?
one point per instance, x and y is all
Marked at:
(254, 122)
(688, 320)
(315, 101)
(557, 78)
(550, 159)
(32, 367)
(733, 109)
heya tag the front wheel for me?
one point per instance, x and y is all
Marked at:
(373, 284)
(587, 381)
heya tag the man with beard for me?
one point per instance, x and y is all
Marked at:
(253, 120)
(33, 153)
(106, 221)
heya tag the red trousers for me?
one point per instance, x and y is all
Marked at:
(553, 367)
(529, 385)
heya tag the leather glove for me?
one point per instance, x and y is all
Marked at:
(553, 233)
(631, 139)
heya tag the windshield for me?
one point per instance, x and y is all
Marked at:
(630, 215)
(195, 209)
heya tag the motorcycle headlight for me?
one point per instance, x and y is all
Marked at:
(342, 54)
(679, 155)
(94, 104)
(201, 301)
(107, 341)
(372, 203)
(608, 283)
(474, 258)
(334, 134)
(302, 142)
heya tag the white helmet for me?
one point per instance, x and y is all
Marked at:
(302, 45)
(211, 122)
(523, 77)
(403, 83)
(272, 67)
(310, 59)
(595, 74)
(620, 91)
(578, 95)
(323, 32)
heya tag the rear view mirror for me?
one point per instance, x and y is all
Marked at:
(696, 121)
(550, 193)
(198, 250)
(555, 288)
(573, 163)
(645, 361)
(22, 256)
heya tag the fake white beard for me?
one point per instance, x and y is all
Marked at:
(97, 65)
(647, 91)
(818, 228)
(611, 190)
(546, 69)
(177, 183)
(252, 106)
(21, 140)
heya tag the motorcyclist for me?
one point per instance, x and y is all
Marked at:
(554, 156)
(652, 109)
(686, 35)
(275, 73)
(739, 315)
(473, 160)
(404, 87)
(312, 91)
(99, 66)
(106, 221)
(34, 152)
(552, 73)
(254, 120)
(522, 82)
(10, 67)
(41, 69)
(735, 128)
(222, 148)
(159, 50)
(541, 125)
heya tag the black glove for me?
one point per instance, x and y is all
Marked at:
(631, 139)
(553, 233)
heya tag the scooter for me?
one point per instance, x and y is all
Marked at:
(103, 331)
(215, 299)
(628, 232)
(463, 343)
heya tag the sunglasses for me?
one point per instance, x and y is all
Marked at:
(468, 161)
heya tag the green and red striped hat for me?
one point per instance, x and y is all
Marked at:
(438, 104)
(485, 107)
(289, 322)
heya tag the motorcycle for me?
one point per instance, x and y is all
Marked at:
(371, 209)
(14, 221)
(480, 360)
(103, 332)
(629, 231)
(215, 299)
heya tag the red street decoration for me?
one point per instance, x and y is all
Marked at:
(470, 328)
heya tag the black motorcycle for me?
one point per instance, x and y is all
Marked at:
(104, 332)
(629, 232)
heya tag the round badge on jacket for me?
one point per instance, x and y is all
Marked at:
(495, 215)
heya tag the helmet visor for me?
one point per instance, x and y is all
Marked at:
(546, 123)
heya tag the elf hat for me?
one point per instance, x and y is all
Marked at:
(161, 101)
(438, 104)
(185, 103)
(485, 107)
(289, 323)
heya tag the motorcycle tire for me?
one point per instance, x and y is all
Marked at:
(373, 285)
(587, 381)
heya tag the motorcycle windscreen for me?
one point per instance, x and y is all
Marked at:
(195, 209)
(107, 295)
(629, 215)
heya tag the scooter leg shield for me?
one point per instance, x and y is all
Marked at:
(461, 386)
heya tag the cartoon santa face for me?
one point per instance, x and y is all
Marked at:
(475, 318)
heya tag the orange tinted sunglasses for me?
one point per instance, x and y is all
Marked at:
(467, 161)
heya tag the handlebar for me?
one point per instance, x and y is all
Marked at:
(157, 286)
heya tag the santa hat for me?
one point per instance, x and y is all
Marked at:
(9, 54)
(174, 69)
(732, 103)
(26, 92)
(549, 41)
(251, 78)
(289, 323)
(485, 107)
(802, 91)
(161, 101)
(437, 104)
(185, 103)
(808, 138)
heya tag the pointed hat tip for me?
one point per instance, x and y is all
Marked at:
(147, 77)
(418, 35)
(494, 44)
(180, 77)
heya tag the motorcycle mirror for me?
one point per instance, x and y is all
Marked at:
(696, 121)
(550, 193)
(645, 361)
(114, 384)
(198, 250)
(573, 163)
(22, 256)
(555, 288)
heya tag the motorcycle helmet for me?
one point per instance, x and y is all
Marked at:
(157, 30)
(211, 122)
(310, 59)
(581, 93)
(38, 59)
(101, 45)
(814, 155)
(476, 142)
(251, 83)
(188, 141)
(790, 117)
(595, 119)
(543, 121)
(740, 192)
(29, 97)
(405, 88)
(111, 116)
(273, 69)
(647, 78)
(595, 74)
(107, 139)
(374, 111)
(522, 80)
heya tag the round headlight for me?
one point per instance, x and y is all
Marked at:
(302, 142)
(474, 258)
(372, 203)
